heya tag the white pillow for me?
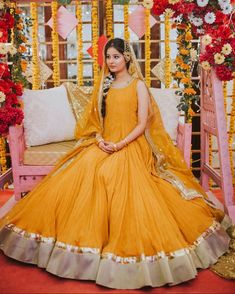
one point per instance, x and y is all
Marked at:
(167, 102)
(48, 116)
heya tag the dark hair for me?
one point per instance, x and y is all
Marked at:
(119, 45)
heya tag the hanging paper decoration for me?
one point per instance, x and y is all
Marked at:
(44, 72)
(160, 72)
(101, 43)
(66, 22)
(137, 21)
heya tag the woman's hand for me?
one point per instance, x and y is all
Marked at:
(106, 147)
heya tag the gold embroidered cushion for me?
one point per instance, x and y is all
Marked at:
(47, 154)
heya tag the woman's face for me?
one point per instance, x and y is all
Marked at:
(115, 60)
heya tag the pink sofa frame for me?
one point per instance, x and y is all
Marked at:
(26, 177)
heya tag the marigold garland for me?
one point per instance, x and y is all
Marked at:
(167, 52)
(109, 19)
(55, 44)
(126, 20)
(232, 131)
(79, 44)
(94, 17)
(3, 161)
(225, 97)
(147, 47)
(35, 61)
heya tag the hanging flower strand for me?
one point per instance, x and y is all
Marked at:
(109, 19)
(94, 14)
(55, 45)
(35, 61)
(167, 51)
(126, 19)
(79, 44)
(147, 47)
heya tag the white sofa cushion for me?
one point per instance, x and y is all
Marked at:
(48, 116)
(167, 102)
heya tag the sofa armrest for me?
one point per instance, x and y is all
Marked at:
(184, 139)
(16, 144)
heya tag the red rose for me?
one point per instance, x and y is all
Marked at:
(11, 100)
(159, 6)
(9, 20)
(4, 70)
(18, 89)
(223, 73)
(4, 87)
(3, 35)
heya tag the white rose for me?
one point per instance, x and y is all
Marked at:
(193, 54)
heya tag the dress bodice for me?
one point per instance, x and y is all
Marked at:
(121, 112)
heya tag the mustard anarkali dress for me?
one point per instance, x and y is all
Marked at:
(110, 218)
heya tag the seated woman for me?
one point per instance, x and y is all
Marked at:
(122, 208)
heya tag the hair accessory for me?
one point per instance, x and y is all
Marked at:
(127, 51)
(107, 83)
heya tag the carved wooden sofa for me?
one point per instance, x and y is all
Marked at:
(31, 164)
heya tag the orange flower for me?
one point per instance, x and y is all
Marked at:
(184, 51)
(185, 80)
(189, 91)
(18, 11)
(24, 65)
(179, 75)
(23, 38)
(191, 112)
(22, 49)
(19, 26)
(181, 26)
(178, 59)
(188, 36)
(184, 66)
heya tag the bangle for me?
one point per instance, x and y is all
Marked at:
(100, 140)
(115, 147)
(125, 141)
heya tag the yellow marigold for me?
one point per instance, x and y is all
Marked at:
(184, 51)
(188, 36)
(219, 58)
(185, 80)
(189, 91)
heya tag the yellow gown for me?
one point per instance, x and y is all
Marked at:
(110, 218)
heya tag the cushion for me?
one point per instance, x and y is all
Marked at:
(167, 102)
(48, 116)
(47, 154)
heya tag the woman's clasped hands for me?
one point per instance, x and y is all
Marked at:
(110, 147)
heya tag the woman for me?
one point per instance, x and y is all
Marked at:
(122, 208)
